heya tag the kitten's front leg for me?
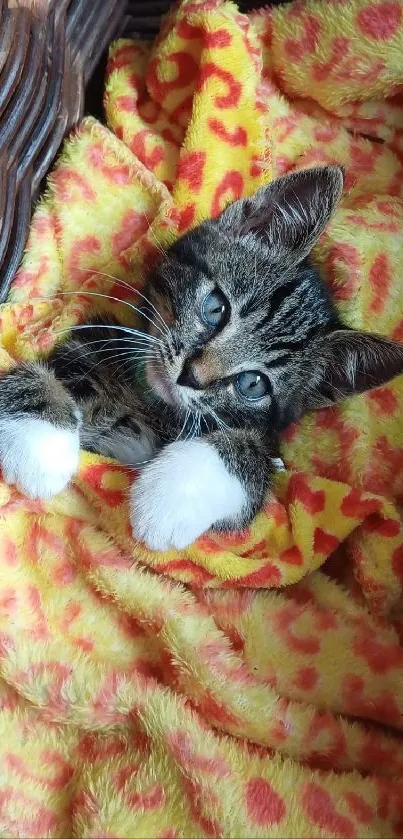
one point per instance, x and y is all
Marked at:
(39, 431)
(215, 481)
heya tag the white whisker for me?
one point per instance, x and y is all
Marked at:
(125, 329)
(84, 293)
(134, 290)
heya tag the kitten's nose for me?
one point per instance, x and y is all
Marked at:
(187, 377)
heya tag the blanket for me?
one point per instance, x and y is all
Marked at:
(251, 685)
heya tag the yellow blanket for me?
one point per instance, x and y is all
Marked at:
(167, 695)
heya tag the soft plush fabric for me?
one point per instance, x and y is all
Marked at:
(249, 686)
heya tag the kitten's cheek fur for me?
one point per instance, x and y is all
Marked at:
(181, 494)
(40, 458)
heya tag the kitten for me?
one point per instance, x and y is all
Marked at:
(242, 339)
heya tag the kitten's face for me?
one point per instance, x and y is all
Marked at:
(239, 323)
(251, 336)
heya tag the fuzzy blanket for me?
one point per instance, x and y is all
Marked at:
(248, 686)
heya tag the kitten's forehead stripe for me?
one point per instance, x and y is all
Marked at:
(278, 359)
(191, 257)
(279, 296)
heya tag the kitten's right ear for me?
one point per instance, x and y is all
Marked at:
(289, 214)
(350, 362)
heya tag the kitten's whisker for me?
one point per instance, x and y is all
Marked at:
(189, 434)
(133, 290)
(116, 359)
(221, 427)
(126, 329)
(196, 432)
(218, 419)
(187, 415)
(134, 350)
(84, 293)
(117, 342)
(159, 247)
(204, 419)
(132, 347)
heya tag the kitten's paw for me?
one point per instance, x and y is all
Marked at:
(181, 494)
(38, 457)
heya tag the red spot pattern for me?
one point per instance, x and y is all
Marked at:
(229, 189)
(360, 809)
(218, 39)
(265, 807)
(187, 70)
(380, 280)
(71, 186)
(383, 708)
(397, 562)
(236, 137)
(182, 746)
(324, 543)
(32, 278)
(96, 475)
(123, 57)
(150, 157)
(322, 812)
(306, 678)
(385, 400)
(89, 245)
(283, 623)
(322, 70)
(356, 506)
(132, 226)
(343, 265)
(299, 490)
(229, 99)
(118, 174)
(191, 169)
(388, 528)
(380, 21)
(325, 750)
(296, 49)
(292, 556)
(268, 576)
(379, 657)
(153, 799)
(186, 217)
(127, 103)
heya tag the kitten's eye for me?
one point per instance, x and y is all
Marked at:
(214, 308)
(252, 385)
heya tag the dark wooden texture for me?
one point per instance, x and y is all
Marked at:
(47, 57)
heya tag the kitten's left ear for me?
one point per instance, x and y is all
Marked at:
(290, 213)
(352, 362)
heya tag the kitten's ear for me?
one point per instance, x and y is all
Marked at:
(290, 213)
(353, 362)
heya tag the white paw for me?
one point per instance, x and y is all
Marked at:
(37, 456)
(181, 494)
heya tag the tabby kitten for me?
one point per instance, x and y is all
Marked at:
(241, 340)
